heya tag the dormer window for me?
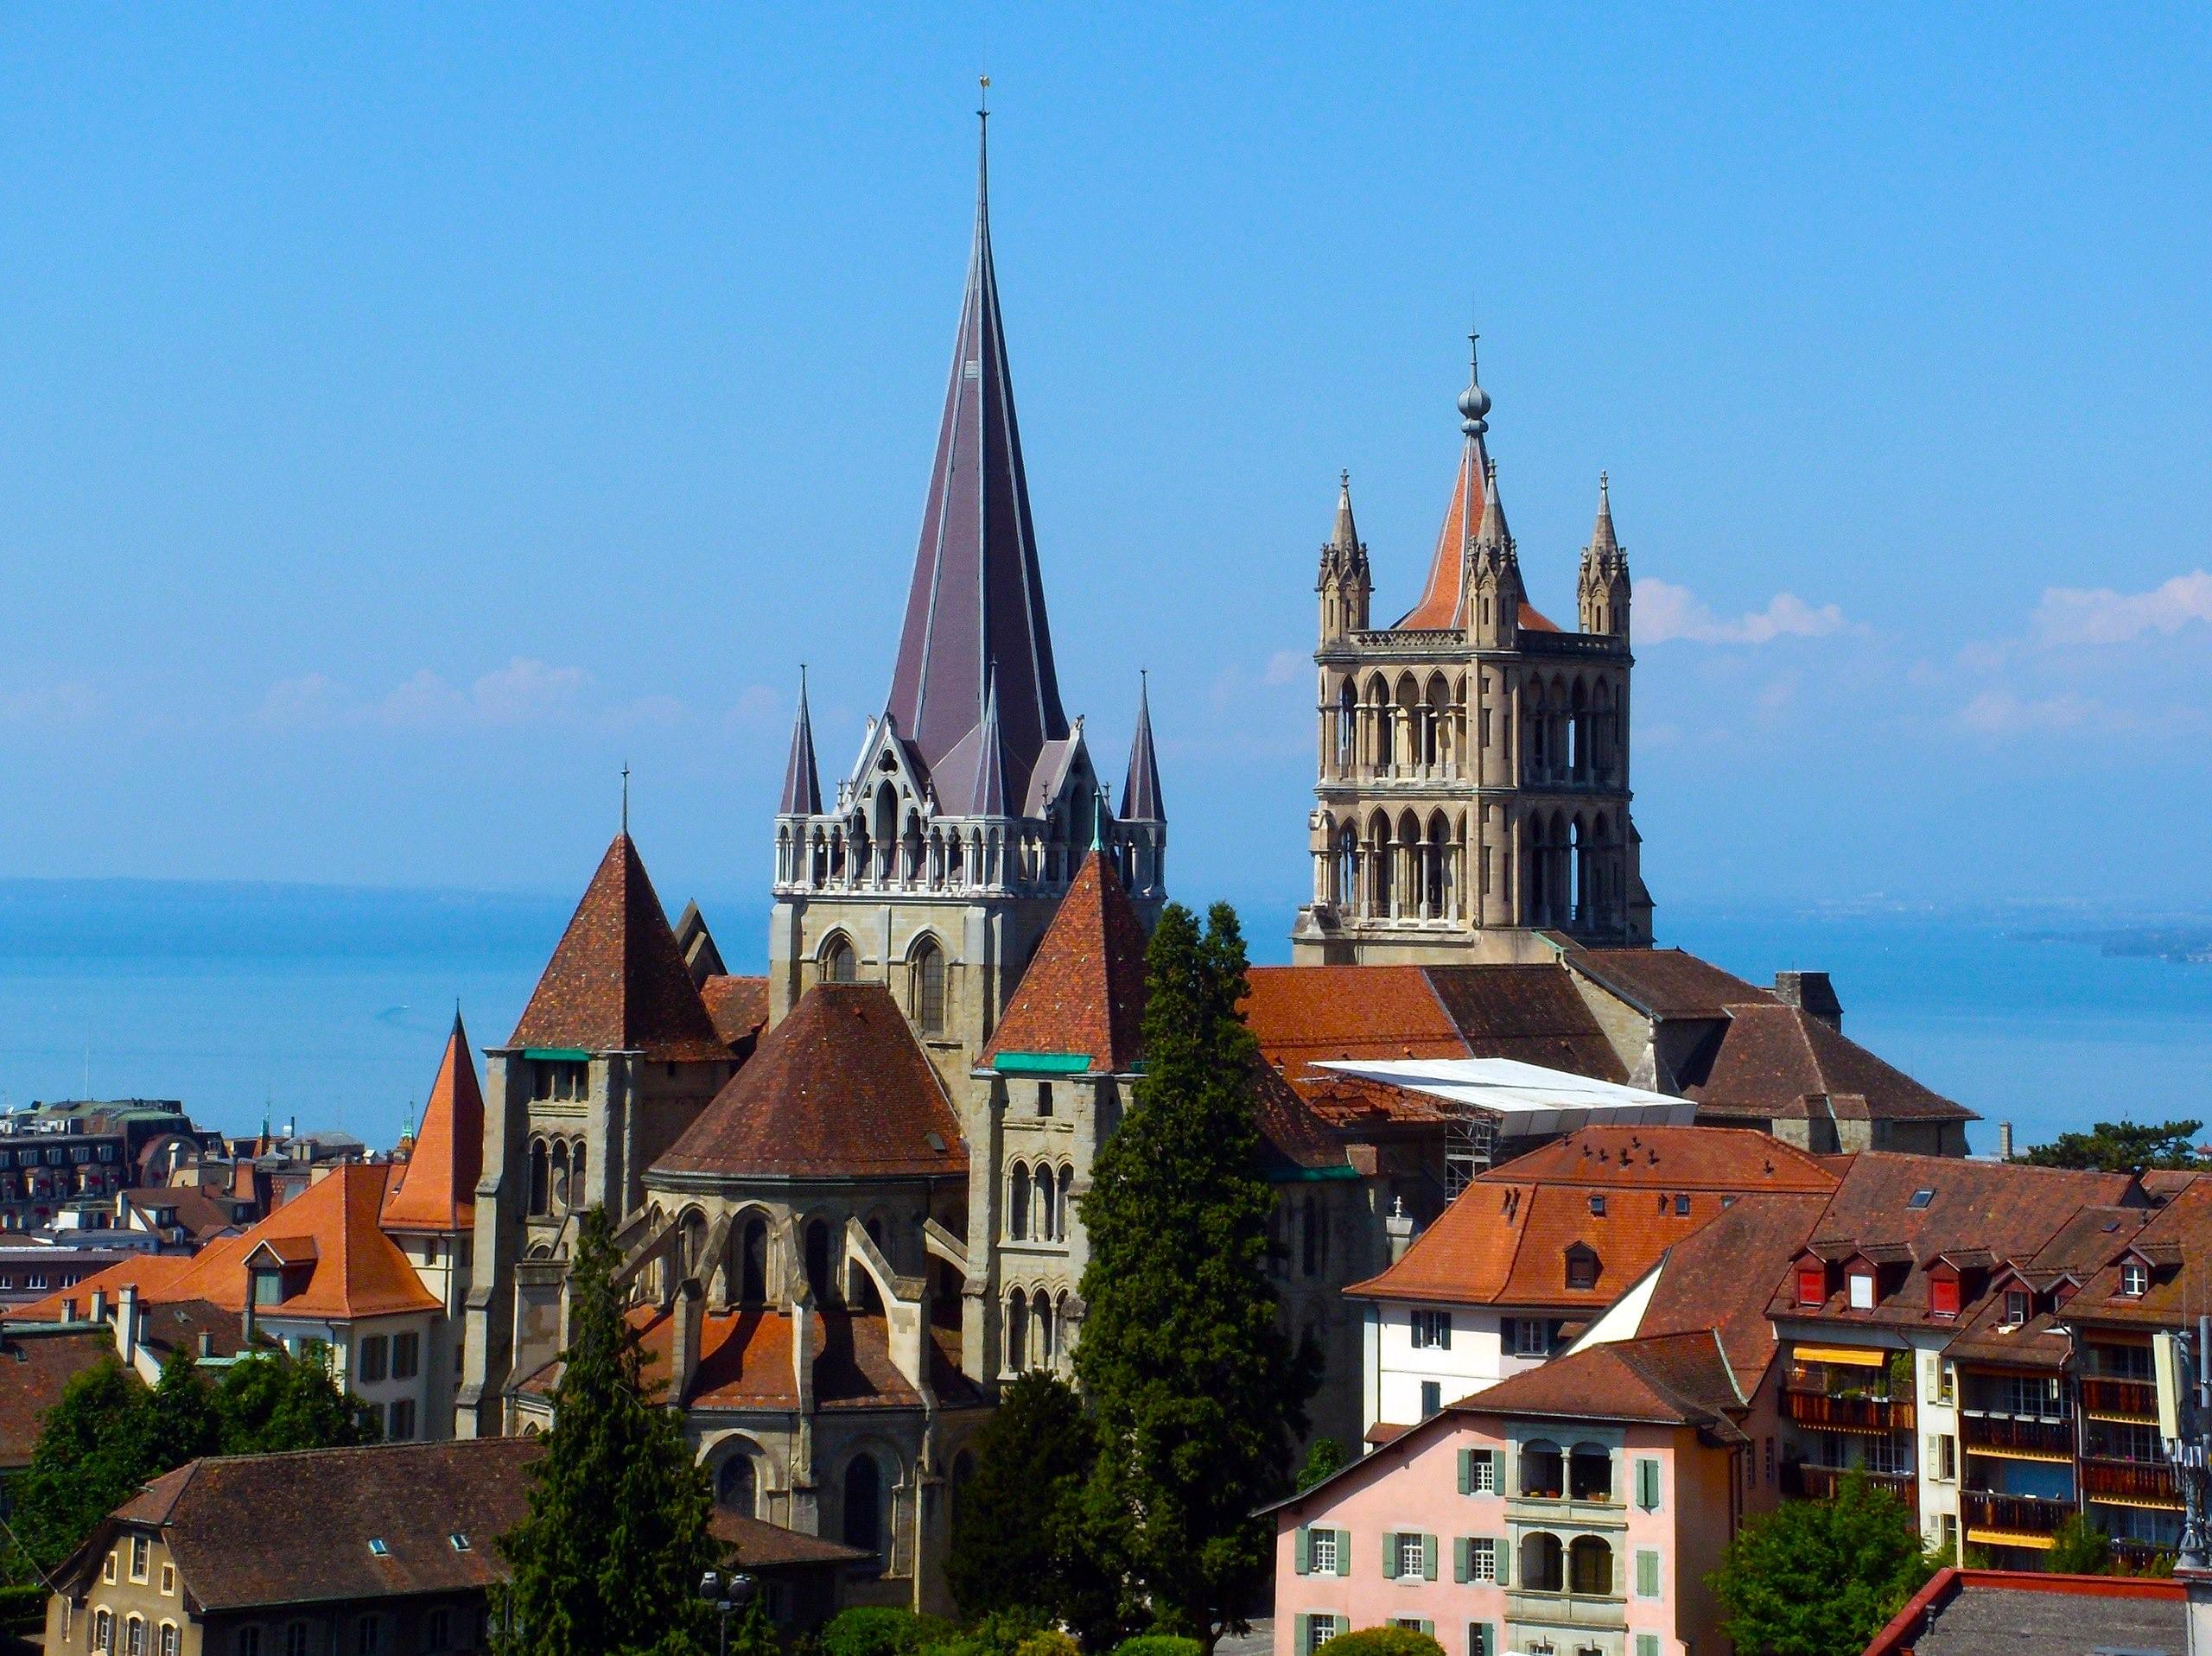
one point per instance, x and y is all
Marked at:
(1598, 1207)
(2015, 1307)
(1812, 1282)
(1942, 1294)
(1862, 1288)
(1581, 1267)
(2134, 1278)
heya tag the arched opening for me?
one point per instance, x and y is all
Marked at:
(1542, 1564)
(1437, 746)
(692, 1229)
(864, 1504)
(1380, 854)
(1048, 1207)
(818, 1280)
(839, 963)
(540, 1176)
(736, 1486)
(1017, 1203)
(1067, 1199)
(1347, 885)
(1347, 728)
(1436, 853)
(928, 987)
(885, 829)
(752, 1262)
(1590, 1566)
(1578, 732)
(1047, 1353)
(1590, 1472)
(1017, 1331)
(1541, 1470)
(579, 1191)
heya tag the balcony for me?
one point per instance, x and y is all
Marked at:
(2018, 1435)
(2130, 1481)
(2124, 1399)
(1821, 1484)
(1830, 1414)
(1596, 1610)
(2013, 1514)
(2139, 1558)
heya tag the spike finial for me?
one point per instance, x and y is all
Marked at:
(625, 798)
(1474, 402)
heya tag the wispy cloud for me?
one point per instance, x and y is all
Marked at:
(1667, 613)
(2082, 615)
(525, 692)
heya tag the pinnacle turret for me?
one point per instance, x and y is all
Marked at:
(989, 798)
(801, 785)
(1602, 592)
(1141, 801)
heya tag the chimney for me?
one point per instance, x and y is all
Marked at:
(207, 1344)
(245, 1317)
(1399, 1228)
(99, 1304)
(683, 1345)
(2004, 1141)
(1811, 993)
(68, 1310)
(126, 1322)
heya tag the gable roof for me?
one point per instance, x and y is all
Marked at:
(2176, 1243)
(1084, 992)
(1718, 1276)
(435, 1189)
(738, 1006)
(35, 1365)
(1672, 1380)
(839, 1089)
(1668, 982)
(1776, 1061)
(617, 982)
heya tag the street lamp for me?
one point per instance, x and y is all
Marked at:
(726, 1593)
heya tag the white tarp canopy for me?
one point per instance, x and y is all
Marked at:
(1528, 1100)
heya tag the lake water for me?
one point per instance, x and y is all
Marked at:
(332, 1004)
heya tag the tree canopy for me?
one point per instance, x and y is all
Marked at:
(1196, 1394)
(609, 1560)
(1821, 1577)
(2122, 1147)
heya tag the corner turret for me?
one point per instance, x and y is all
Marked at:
(1344, 585)
(1602, 593)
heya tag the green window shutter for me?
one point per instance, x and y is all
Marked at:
(1481, 1641)
(1460, 1566)
(1503, 1554)
(1428, 1557)
(1344, 1552)
(1302, 1633)
(1647, 1574)
(1467, 1471)
(1647, 1484)
(1646, 1644)
(1428, 1627)
(1389, 1555)
(1303, 1551)
(1497, 1471)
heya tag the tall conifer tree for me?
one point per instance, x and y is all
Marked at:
(1196, 1392)
(610, 1557)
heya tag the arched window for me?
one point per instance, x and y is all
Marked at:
(579, 1192)
(1542, 1566)
(560, 1178)
(693, 1226)
(1590, 1472)
(1047, 1353)
(817, 1261)
(1061, 1331)
(864, 1504)
(1017, 1203)
(1540, 1470)
(929, 988)
(1347, 726)
(1347, 891)
(840, 964)
(1590, 1566)
(539, 1176)
(1067, 1201)
(1048, 1219)
(735, 1487)
(753, 1265)
(134, 1636)
(1017, 1332)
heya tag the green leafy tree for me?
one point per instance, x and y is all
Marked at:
(277, 1400)
(1017, 1540)
(2122, 1147)
(1819, 1577)
(609, 1559)
(881, 1630)
(184, 1420)
(91, 1454)
(1383, 1641)
(2078, 1547)
(1323, 1460)
(1196, 1395)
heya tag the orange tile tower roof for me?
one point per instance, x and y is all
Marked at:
(839, 1090)
(1443, 599)
(617, 982)
(1084, 988)
(435, 1189)
(328, 1233)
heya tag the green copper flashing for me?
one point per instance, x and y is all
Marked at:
(1041, 1063)
(556, 1054)
(1314, 1175)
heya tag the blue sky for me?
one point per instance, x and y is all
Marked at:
(407, 415)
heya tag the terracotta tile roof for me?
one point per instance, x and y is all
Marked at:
(1775, 1063)
(1718, 1277)
(1668, 982)
(150, 1272)
(755, 1543)
(1302, 1015)
(2009, 1210)
(1083, 991)
(167, 1326)
(198, 1214)
(435, 1188)
(1504, 1240)
(1529, 1013)
(840, 1088)
(1297, 1136)
(313, 1514)
(1440, 601)
(1677, 1379)
(35, 1364)
(617, 981)
(2177, 1247)
(739, 1008)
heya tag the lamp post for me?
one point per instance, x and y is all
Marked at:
(726, 1593)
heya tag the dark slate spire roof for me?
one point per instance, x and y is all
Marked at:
(988, 799)
(1603, 543)
(1141, 788)
(1345, 536)
(977, 599)
(802, 790)
(617, 982)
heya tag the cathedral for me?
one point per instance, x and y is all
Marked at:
(847, 1192)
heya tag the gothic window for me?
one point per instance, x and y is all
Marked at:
(1067, 1200)
(735, 1486)
(1060, 1329)
(1047, 1353)
(1017, 1332)
(579, 1192)
(817, 1261)
(928, 987)
(693, 1231)
(1347, 728)
(864, 1504)
(1347, 885)
(1048, 1222)
(753, 1268)
(539, 1176)
(840, 964)
(1017, 1203)
(560, 1179)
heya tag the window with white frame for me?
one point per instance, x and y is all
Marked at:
(1319, 1629)
(2134, 1278)
(1482, 1558)
(1432, 1330)
(2015, 1307)
(141, 1551)
(1410, 1555)
(1321, 1552)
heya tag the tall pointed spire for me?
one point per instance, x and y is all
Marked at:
(1603, 543)
(1442, 602)
(436, 1190)
(802, 788)
(1494, 533)
(1345, 536)
(976, 600)
(988, 796)
(1141, 801)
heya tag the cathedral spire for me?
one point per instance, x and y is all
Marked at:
(988, 799)
(1603, 544)
(976, 601)
(1141, 800)
(802, 789)
(1345, 537)
(1443, 604)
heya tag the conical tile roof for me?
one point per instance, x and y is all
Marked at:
(1084, 990)
(435, 1188)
